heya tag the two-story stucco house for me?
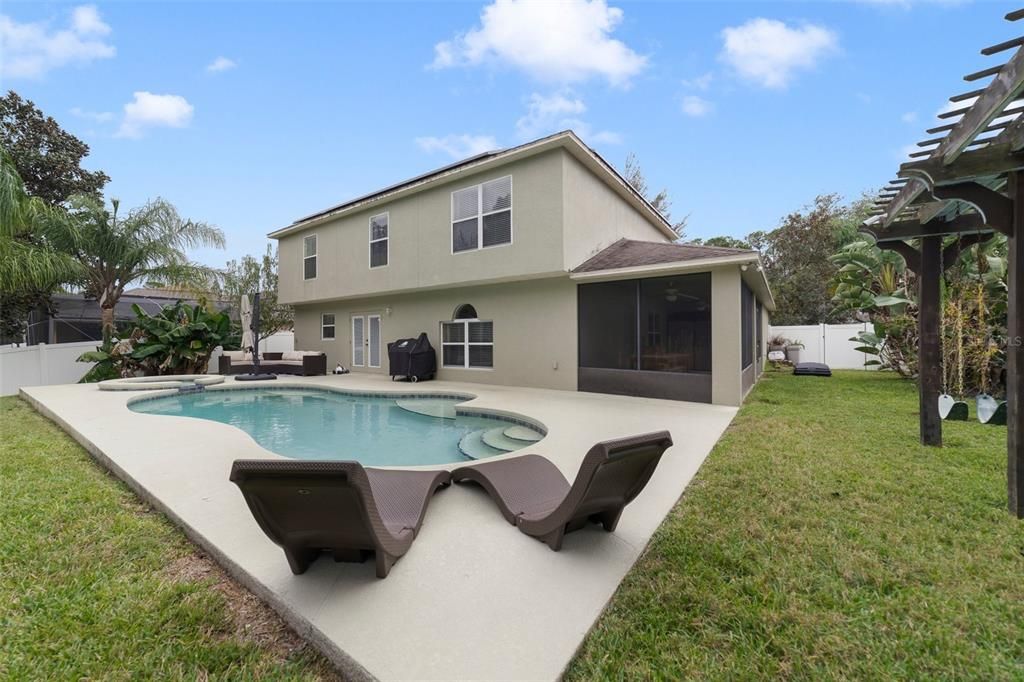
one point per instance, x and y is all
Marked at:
(531, 266)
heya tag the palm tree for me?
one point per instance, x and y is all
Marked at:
(148, 244)
(27, 261)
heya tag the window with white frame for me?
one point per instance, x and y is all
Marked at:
(482, 215)
(379, 240)
(309, 257)
(326, 326)
(467, 342)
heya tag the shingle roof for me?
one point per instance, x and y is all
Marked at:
(630, 253)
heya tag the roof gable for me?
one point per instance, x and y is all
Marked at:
(566, 140)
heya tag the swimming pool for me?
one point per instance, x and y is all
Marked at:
(375, 430)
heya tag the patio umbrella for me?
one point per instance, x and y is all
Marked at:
(245, 312)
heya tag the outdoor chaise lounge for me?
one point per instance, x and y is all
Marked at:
(533, 495)
(302, 362)
(307, 506)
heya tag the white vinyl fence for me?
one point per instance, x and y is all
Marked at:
(45, 364)
(827, 343)
(42, 365)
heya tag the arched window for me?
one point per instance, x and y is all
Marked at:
(465, 312)
(467, 342)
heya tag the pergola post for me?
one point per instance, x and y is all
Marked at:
(1015, 351)
(929, 361)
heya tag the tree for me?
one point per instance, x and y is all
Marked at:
(47, 158)
(41, 170)
(27, 262)
(634, 175)
(147, 244)
(797, 260)
(246, 277)
(724, 241)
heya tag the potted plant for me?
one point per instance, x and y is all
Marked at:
(793, 349)
(777, 342)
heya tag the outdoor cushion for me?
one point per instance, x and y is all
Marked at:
(812, 369)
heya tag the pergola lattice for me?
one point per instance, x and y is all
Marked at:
(967, 181)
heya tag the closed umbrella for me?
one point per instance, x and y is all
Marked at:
(245, 312)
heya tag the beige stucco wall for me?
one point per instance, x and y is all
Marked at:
(534, 329)
(420, 232)
(595, 216)
(726, 337)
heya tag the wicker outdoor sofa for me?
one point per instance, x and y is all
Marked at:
(302, 362)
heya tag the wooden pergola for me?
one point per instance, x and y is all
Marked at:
(967, 181)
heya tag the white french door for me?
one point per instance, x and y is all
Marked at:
(366, 341)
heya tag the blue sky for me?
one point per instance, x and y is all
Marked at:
(249, 115)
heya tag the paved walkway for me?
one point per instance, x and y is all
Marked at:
(473, 598)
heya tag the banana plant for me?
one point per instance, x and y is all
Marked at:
(870, 280)
(179, 339)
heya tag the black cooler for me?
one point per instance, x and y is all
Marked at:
(413, 359)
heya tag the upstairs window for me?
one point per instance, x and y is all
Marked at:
(467, 342)
(482, 215)
(309, 257)
(379, 240)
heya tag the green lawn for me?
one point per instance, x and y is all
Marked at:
(95, 585)
(819, 540)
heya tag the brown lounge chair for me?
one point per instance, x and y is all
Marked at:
(533, 495)
(306, 507)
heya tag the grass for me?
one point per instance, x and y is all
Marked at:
(95, 585)
(821, 541)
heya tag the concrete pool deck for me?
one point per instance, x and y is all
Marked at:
(474, 598)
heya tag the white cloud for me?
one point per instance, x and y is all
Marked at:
(904, 152)
(458, 146)
(97, 116)
(769, 53)
(31, 50)
(153, 111)
(85, 20)
(909, 117)
(561, 42)
(560, 111)
(546, 114)
(221, 64)
(696, 106)
(953, 106)
(702, 82)
(600, 137)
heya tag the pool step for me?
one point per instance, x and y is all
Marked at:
(523, 433)
(473, 446)
(441, 408)
(497, 439)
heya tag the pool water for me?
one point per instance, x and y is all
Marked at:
(311, 424)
